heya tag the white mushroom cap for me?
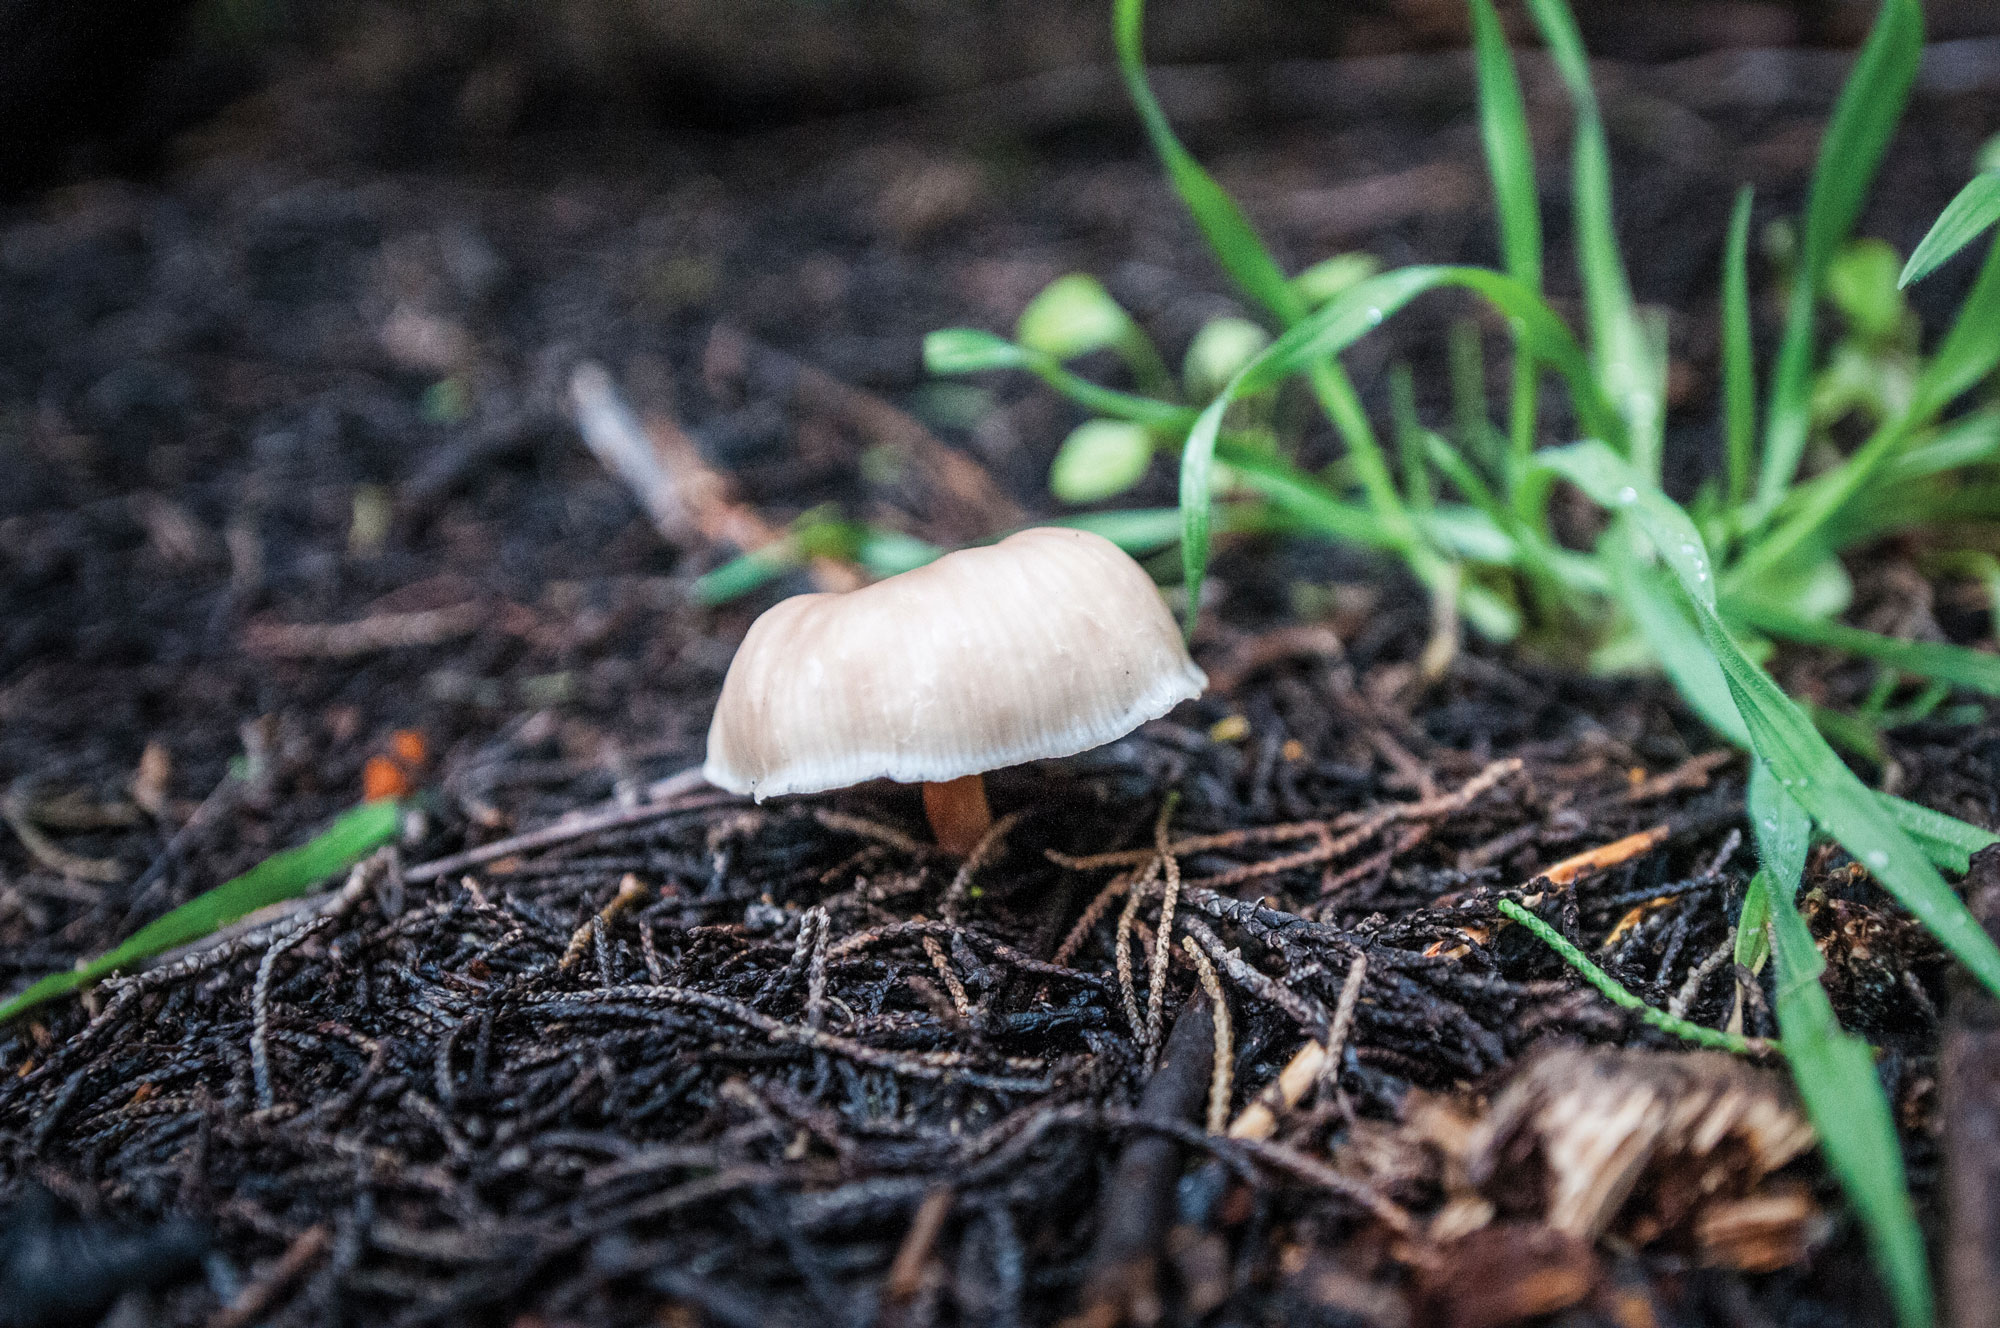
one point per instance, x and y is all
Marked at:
(1046, 644)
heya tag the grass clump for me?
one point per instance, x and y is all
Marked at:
(1700, 591)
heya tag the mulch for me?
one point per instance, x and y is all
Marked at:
(295, 473)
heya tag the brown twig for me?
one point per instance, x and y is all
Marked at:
(1120, 1283)
(1606, 856)
(569, 828)
(1692, 773)
(906, 1271)
(366, 636)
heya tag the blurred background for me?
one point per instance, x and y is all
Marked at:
(114, 85)
(294, 295)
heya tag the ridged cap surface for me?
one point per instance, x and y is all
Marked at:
(1046, 644)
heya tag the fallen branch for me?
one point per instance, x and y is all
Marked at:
(1121, 1281)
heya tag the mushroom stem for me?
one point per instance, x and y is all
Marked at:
(958, 813)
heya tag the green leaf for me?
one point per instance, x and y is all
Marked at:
(1834, 1072)
(1071, 316)
(1976, 207)
(1074, 315)
(1930, 659)
(1739, 370)
(891, 552)
(1334, 276)
(1864, 118)
(1100, 459)
(1625, 362)
(281, 876)
(1861, 283)
(964, 350)
(1223, 346)
(1780, 733)
(1970, 348)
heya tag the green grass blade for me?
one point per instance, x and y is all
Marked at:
(1337, 325)
(1976, 207)
(1969, 440)
(1968, 352)
(281, 876)
(1510, 153)
(1304, 499)
(1943, 661)
(1970, 348)
(1467, 532)
(1655, 609)
(1471, 426)
(1863, 119)
(1782, 831)
(1739, 371)
(1137, 530)
(746, 573)
(1411, 436)
(1834, 1071)
(1510, 165)
(1229, 233)
(1781, 734)
(1624, 361)
(1946, 840)
(1682, 651)
(1249, 262)
(1615, 992)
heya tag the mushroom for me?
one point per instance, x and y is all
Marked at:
(1049, 643)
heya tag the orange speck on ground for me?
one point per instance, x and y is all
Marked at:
(381, 779)
(407, 746)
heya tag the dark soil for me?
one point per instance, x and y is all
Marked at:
(257, 394)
